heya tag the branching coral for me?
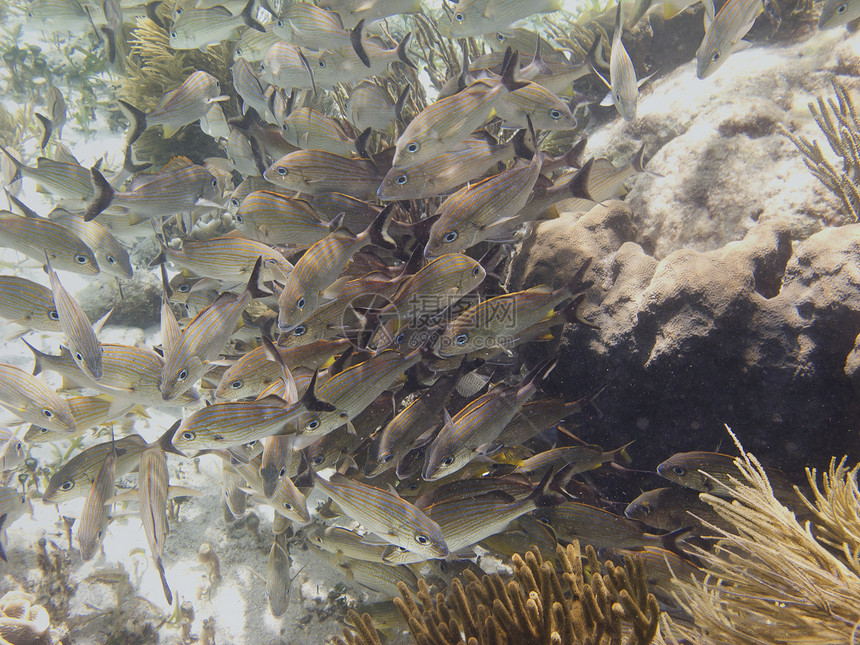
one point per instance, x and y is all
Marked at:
(838, 121)
(589, 604)
(773, 580)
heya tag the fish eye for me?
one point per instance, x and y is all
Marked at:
(288, 506)
(178, 11)
(413, 486)
(182, 375)
(234, 201)
(282, 472)
(447, 461)
(188, 435)
(387, 458)
(238, 51)
(300, 303)
(461, 339)
(399, 338)
(422, 539)
(81, 259)
(214, 183)
(459, 17)
(79, 356)
(317, 460)
(450, 236)
(477, 270)
(48, 414)
(111, 259)
(313, 425)
(183, 288)
(280, 23)
(173, 34)
(236, 385)
(841, 8)
(43, 430)
(645, 509)
(19, 446)
(299, 331)
(679, 470)
(543, 519)
(715, 57)
(500, 38)
(283, 172)
(402, 179)
(412, 147)
(53, 315)
(322, 63)
(67, 485)
(555, 114)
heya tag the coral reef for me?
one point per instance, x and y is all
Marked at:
(772, 578)
(588, 604)
(752, 334)
(838, 121)
(22, 622)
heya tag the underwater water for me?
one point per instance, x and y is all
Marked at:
(302, 301)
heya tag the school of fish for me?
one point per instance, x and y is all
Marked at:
(336, 318)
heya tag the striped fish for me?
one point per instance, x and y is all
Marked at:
(37, 237)
(443, 173)
(467, 217)
(250, 185)
(111, 255)
(27, 304)
(333, 449)
(232, 483)
(346, 65)
(56, 117)
(286, 499)
(94, 516)
(478, 17)
(278, 581)
(80, 338)
(381, 578)
(723, 33)
(318, 171)
(400, 434)
(63, 179)
(152, 492)
(478, 425)
(229, 259)
(203, 338)
(353, 11)
(320, 266)
(180, 107)
(223, 425)
(273, 218)
(253, 44)
(254, 372)
(196, 28)
(446, 123)
(133, 373)
(342, 541)
(89, 412)
(33, 401)
(838, 12)
(546, 110)
(277, 457)
(622, 84)
(581, 458)
(312, 130)
(177, 190)
(351, 391)
(371, 106)
(286, 66)
(535, 417)
(13, 504)
(306, 25)
(248, 87)
(387, 515)
(64, 15)
(13, 451)
(498, 321)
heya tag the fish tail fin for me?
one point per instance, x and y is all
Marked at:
(573, 314)
(128, 164)
(578, 184)
(309, 69)
(620, 455)
(355, 38)
(38, 367)
(670, 540)
(2, 550)
(47, 126)
(151, 8)
(548, 492)
(401, 101)
(378, 229)
(523, 148)
(510, 67)
(167, 593)
(592, 58)
(161, 258)
(403, 54)
(136, 117)
(104, 195)
(638, 162)
(309, 398)
(18, 165)
(248, 17)
(165, 441)
(540, 372)
(577, 284)
(573, 157)
(254, 286)
(110, 43)
(361, 143)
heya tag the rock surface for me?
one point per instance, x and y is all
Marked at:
(754, 335)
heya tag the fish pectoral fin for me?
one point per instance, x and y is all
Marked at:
(335, 289)
(741, 45)
(389, 553)
(607, 100)
(642, 81)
